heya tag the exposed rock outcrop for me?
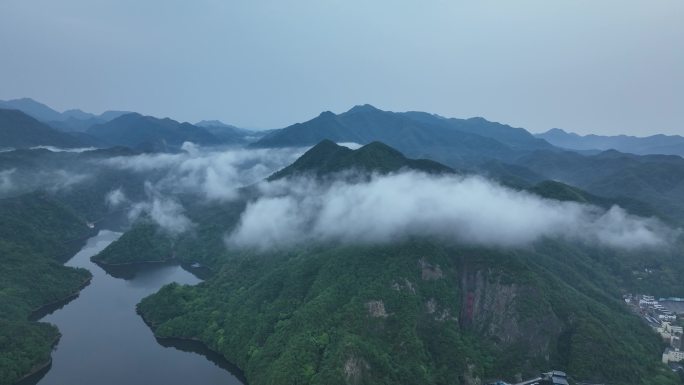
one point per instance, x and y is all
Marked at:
(376, 309)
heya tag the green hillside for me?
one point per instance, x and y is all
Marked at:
(35, 233)
(327, 158)
(419, 311)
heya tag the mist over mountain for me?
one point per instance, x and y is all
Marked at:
(409, 244)
(655, 179)
(230, 133)
(515, 251)
(655, 144)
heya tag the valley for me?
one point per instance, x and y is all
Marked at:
(325, 264)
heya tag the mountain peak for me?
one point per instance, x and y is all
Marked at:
(212, 123)
(327, 157)
(363, 108)
(327, 114)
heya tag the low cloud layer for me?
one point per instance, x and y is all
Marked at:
(6, 184)
(164, 211)
(60, 149)
(473, 210)
(216, 174)
(14, 181)
(116, 198)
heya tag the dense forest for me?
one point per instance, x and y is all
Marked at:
(36, 233)
(328, 315)
(419, 311)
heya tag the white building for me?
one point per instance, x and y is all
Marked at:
(672, 355)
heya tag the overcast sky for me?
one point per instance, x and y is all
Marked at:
(589, 66)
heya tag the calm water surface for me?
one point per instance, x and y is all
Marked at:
(105, 342)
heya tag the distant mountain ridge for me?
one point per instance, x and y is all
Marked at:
(46, 114)
(454, 142)
(146, 132)
(649, 145)
(19, 130)
(228, 132)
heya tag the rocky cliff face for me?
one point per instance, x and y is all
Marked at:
(511, 316)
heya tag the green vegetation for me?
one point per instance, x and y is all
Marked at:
(399, 314)
(420, 311)
(144, 243)
(327, 157)
(35, 232)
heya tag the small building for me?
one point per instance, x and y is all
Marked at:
(672, 355)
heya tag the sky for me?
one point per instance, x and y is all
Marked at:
(587, 66)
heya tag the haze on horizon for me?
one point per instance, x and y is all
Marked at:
(607, 67)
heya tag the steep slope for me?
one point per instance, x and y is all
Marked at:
(655, 144)
(138, 131)
(19, 130)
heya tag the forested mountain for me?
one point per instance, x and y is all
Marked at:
(150, 133)
(327, 157)
(18, 130)
(454, 142)
(511, 155)
(35, 234)
(419, 310)
(654, 179)
(655, 144)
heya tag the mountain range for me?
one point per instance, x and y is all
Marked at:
(454, 142)
(69, 120)
(18, 130)
(650, 145)
(415, 310)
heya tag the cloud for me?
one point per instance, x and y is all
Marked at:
(61, 179)
(470, 209)
(164, 211)
(116, 198)
(350, 145)
(6, 183)
(59, 149)
(216, 174)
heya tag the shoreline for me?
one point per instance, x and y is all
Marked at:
(121, 270)
(218, 358)
(37, 369)
(133, 263)
(36, 314)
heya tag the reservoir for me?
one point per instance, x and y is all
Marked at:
(104, 341)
